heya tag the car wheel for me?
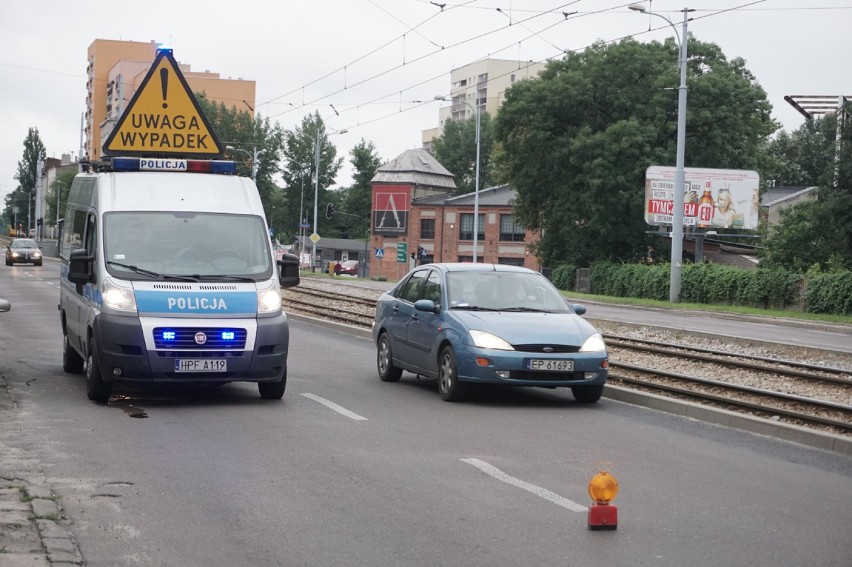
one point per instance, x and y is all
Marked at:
(587, 394)
(97, 389)
(71, 361)
(449, 385)
(273, 390)
(384, 360)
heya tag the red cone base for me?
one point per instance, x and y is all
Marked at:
(603, 517)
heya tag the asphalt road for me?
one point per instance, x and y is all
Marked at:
(348, 470)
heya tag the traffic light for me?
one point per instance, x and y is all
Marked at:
(329, 210)
(38, 221)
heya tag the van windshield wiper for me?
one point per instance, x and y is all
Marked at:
(224, 277)
(136, 269)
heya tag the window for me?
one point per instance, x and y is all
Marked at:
(464, 259)
(510, 231)
(511, 261)
(412, 288)
(466, 227)
(427, 229)
(432, 289)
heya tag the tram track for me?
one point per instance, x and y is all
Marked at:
(798, 392)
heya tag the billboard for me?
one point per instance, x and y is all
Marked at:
(712, 198)
(391, 204)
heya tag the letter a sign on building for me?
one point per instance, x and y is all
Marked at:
(163, 118)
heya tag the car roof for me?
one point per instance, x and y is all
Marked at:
(471, 267)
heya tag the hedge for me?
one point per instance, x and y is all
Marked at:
(716, 284)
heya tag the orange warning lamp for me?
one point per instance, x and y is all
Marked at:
(602, 515)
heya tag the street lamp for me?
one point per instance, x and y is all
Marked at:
(316, 194)
(254, 155)
(475, 109)
(680, 174)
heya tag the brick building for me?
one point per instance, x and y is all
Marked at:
(415, 208)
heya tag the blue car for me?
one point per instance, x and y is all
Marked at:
(490, 324)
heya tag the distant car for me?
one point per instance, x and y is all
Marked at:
(23, 251)
(490, 324)
(348, 267)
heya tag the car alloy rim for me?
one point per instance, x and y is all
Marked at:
(446, 374)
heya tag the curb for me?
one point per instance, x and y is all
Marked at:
(779, 430)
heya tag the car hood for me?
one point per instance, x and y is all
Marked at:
(529, 328)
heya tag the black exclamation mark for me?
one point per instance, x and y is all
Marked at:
(164, 82)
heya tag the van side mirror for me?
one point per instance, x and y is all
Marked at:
(288, 270)
(81, 268)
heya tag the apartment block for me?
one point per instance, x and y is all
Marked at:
(481, 85)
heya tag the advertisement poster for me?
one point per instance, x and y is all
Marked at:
(712, 198)
(390, 209)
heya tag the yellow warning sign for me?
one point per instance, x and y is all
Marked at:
(163, 117)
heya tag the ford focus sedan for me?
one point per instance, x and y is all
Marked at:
(465, 323)
(23, 251)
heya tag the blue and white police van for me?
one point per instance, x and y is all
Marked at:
(168, 276)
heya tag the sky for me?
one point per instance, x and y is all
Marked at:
(374, 67)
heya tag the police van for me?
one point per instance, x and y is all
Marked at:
(168, 275)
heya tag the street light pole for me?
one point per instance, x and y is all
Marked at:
(255, 156)
(680, 173)
(475, 110)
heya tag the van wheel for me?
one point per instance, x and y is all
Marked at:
(97, 389)
(273, 390)
(71, 361)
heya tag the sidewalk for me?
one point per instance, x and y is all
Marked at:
(33, 530)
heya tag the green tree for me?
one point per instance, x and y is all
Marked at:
(299, 169)
(805, 157)
(455, 149)
(817, 234)
(575, 142)
(60, 187)
(238, 129)
(357, 199)
(26, 175)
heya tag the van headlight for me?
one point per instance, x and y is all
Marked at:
(118, 298)
(595, 343)
(269, 301)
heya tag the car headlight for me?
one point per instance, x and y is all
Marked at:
(595, 343)
(118, 298)
(487, 340)
(269, 300)
(36, 254)
(15, 254)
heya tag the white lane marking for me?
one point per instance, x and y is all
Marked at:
(339, 409)
(493, 471)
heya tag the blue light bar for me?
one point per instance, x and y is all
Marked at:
(228, 335)
(168, 335)
(179, 165)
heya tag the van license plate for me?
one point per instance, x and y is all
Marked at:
(552, 365)
(201, 365)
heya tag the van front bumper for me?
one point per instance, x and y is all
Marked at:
(124, 354)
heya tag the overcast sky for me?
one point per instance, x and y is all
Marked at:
(361, 63)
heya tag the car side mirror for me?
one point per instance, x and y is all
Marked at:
(81, 268)
(426, 305)
(5, 305)
(288, 270)
(578, 309)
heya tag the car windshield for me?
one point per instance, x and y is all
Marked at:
(23, 243)
(504, 291)
(146, 245)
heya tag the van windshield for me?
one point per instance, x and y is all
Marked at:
(145, 245)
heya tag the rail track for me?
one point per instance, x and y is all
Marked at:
(797, 392)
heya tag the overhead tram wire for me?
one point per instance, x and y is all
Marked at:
(397, 67)
(418, 104)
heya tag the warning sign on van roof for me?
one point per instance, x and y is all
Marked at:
(163, 118)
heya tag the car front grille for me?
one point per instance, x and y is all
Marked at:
(547, 349)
